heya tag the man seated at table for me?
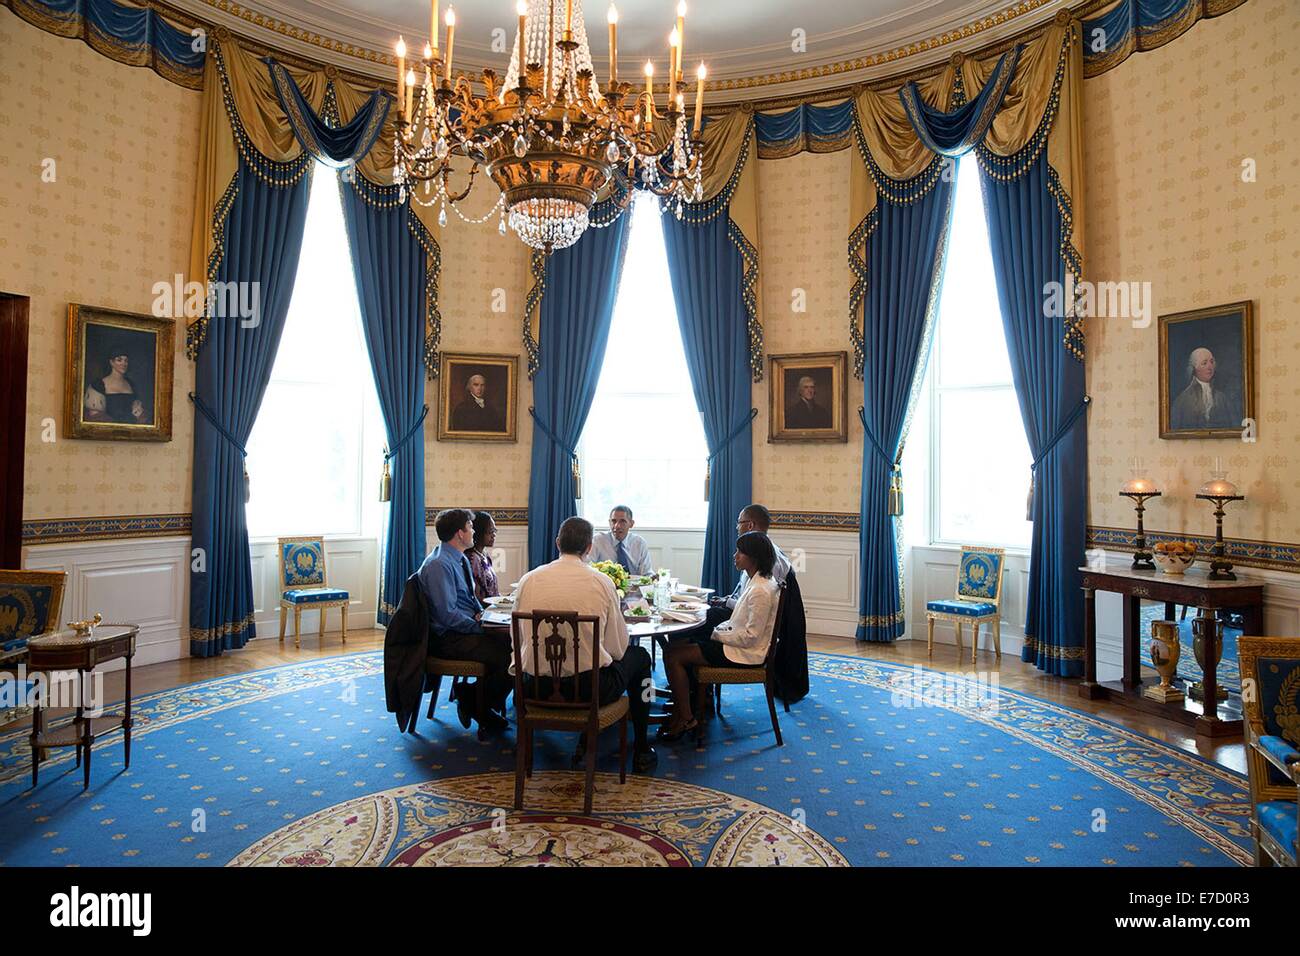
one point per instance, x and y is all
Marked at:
(620, 545)
(454, 619)
(568, 584)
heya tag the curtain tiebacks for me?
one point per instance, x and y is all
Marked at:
(725, 443)
(211, 416)
(894, 504)
(386, 480)
(564, 446)
(1055, 440)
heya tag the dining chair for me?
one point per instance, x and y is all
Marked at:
(1270, 674)
(706, 676)
(979, 593)
(436, 668)
(31, 603)
(304, 586)
(564, 707)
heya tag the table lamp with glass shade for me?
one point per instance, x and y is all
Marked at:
(1140, 490)
(1220, 491)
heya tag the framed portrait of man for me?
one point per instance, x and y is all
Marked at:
(478, 397)
(808, 397)
(118, 375)
(1207, 365)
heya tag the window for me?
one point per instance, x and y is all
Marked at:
(643, 444)
(968, 443)
(315, 451)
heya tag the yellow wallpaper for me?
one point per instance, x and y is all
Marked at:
(1167, 134)
(804, 228)
(115, 221)
(476, 260)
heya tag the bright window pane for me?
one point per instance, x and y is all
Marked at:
(980, 460)
(643, 444)
(318, 434)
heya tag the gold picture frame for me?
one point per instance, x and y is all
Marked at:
(808, 397)
(487, 416)
(106, 398)
(1226, 334)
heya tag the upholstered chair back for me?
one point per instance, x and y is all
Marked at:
(30, 604)
(302, 562)
(1270, 669)
(979, 575)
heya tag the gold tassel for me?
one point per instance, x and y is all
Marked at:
(1029, 498)
(248, 488)
(708, 469)
(577, 479)
(896, 493)
(385, 481)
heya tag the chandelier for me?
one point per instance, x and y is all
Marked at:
(546, 134)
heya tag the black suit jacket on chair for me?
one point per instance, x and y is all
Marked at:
(791, 663)
(406, 647)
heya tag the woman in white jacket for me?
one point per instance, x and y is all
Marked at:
(741, 641)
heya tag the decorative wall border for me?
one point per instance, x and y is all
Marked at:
(502, 516)
(51, 530)
(1241, 551)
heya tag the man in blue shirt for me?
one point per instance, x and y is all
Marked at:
(454, 618)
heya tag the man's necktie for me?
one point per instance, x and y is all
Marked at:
(623, 559)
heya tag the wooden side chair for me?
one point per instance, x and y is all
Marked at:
(304, 585)
(707, 676)
(31, 603)
(1270, 673)
(436, 668)
(979, 593)
(565, 707)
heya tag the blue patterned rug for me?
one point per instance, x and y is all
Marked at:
(884, 764)
(1229, 673)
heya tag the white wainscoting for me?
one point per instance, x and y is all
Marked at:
(143, 581)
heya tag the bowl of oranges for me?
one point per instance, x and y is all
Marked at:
(1174, 557)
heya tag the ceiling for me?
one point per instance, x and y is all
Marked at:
(748, 45)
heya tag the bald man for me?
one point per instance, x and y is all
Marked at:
(475, 413)
(1205, 403)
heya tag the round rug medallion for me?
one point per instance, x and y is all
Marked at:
(466, 821)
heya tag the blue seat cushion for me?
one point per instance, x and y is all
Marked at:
(315, 595)
(964, 608)
(1281, 750)
(1278, 819)
(13, 643)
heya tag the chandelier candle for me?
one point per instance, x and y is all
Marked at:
(612, 17)
(451, 38)
(699, 99)
(681, 36)
(649, 91)
(673, 65)
(433, 26)
(401, 72)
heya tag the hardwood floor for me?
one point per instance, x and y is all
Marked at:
(1012, 674)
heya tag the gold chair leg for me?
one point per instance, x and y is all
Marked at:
(284, 619)
(322, 623)
(961, 648)
(345, 623)
(297, 625)
(997, 637)
(974, 640)
(929, 638)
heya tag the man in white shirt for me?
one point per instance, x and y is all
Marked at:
(568, 584)
(619, 545)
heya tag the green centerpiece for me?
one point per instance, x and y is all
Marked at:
(615, 572)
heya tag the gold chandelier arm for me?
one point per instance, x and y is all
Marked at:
(469, 184)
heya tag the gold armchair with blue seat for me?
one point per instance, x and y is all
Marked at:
(304, 585)
(30, 605)
(1270, 672)
(979, 592)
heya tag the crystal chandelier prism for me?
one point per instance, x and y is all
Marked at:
(550, 139)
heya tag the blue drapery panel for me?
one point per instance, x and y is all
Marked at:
(389, 263)
(137, 36)
(953, 133)
(806, 128)
(707, 271)
(581, 285)
(1025, 228)
(323, 137)
(263, 238)
(904, 270)
(1136, 25)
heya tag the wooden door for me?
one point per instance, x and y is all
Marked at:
(13, 424)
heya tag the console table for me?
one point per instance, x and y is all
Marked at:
(81, 652)
(1192, 588)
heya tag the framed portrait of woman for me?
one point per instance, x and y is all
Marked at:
(1207, 365)
(118, 375)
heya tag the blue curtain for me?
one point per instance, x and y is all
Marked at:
(815, 129)
(576, 308)
(1025, 235)
(904, 269)
(389, 264)
(331, 143)
(955, 132)
(707, 271)
(263, 238)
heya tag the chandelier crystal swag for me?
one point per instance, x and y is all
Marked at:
(546, 134)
